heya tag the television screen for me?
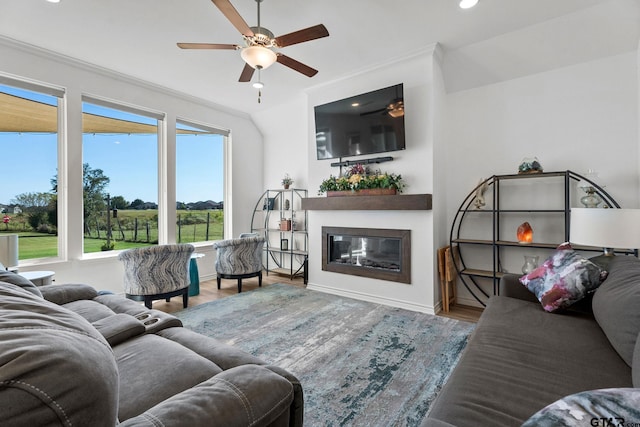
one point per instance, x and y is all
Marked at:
(369, 123)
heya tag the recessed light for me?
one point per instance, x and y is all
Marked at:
(468, 4)
(53, 1)
(355, 104)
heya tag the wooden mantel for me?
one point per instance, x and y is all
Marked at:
(399, 202)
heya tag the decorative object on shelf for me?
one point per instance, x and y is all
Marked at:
(479, 202)
(287, 204)
(284, 244)
(525, 233)
(285, 225)
(287, 181)
(269, 203)
(591, 198)
(530, 263)
(358, 178)
(530, 165)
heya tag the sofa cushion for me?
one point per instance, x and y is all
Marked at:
(248, 395)
(615, 404)
(55, 368)
(563, 279)
(68, 292)
(154, 369)
(16, 279)
(615, 305)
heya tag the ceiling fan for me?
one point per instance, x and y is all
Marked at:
(258, 52)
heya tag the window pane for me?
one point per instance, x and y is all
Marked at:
(199, 183)
(120, 165)
(28, 188)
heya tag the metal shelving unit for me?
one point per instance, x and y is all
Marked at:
(488, 268)
(272, 208)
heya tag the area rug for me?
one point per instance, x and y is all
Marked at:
(360, 363)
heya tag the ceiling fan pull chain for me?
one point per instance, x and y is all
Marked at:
(259, 95)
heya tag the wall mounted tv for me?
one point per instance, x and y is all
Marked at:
(369, 123)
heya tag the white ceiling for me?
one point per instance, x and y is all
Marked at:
(496, 40)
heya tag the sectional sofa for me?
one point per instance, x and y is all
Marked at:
(577, 366)
(72, 357)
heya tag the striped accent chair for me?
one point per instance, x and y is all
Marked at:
(157, 272)
(239, 259)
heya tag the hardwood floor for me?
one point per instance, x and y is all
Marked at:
(209, 292)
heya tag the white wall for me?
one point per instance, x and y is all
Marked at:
(286, 129)
(579, 117)
(79, 78)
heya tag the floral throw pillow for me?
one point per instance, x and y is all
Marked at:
(563, 279)
(604, 407)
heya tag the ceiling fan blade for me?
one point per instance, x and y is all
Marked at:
(233, 16)
(295, 65)
(247, 73)
(208, 46)
(301, 36)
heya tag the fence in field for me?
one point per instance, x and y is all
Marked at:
(190, 227)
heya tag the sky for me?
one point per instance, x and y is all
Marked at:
(130, 161)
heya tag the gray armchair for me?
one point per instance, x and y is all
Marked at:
(239, 259)
(157, 272)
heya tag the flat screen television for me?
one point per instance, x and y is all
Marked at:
(369, 123)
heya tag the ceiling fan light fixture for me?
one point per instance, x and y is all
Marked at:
(258, 56)
(467, 4)
(258, 85)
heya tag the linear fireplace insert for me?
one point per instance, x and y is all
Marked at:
(369, 252)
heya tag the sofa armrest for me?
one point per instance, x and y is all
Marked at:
(65, 293)
(242, 396)
(510, 286)
(119, 327)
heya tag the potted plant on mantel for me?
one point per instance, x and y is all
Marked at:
(359, 181)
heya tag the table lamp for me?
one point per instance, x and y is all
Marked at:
(606, 228)
(9, 250)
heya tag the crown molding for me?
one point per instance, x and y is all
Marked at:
(109, 73)
(433, 49)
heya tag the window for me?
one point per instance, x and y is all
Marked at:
(199, 182)
(120, 176)
(29, 140)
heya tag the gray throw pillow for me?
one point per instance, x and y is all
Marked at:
(18, 280)
(635, 368)
(615, 305)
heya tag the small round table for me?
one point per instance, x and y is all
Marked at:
(39, 278)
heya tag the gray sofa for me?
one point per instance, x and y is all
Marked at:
(521, 359)
(71, 357)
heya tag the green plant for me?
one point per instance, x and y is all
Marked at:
(108, 246)
(287, 180)
(359, 178)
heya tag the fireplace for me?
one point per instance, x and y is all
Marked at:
(368, 252)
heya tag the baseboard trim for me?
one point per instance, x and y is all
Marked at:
(421, 308)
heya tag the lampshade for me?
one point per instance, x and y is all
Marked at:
(258, 56)
(9, 250)
(606, 228)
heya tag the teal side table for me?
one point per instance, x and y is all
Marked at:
(194, 276)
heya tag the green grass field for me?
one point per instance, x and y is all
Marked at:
(40, 245)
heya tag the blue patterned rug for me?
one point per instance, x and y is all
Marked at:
(360, 363)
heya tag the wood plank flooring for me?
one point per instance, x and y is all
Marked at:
(209, 292)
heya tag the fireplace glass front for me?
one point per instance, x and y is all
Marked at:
(378, 253)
